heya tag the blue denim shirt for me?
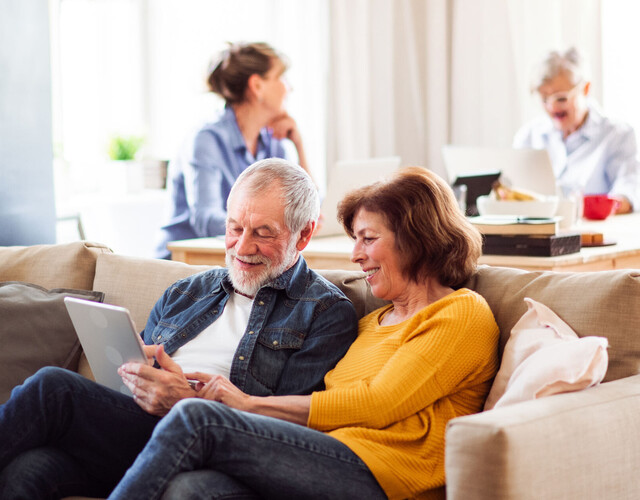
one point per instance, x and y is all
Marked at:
(299, 327)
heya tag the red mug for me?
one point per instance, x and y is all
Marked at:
(599, 206)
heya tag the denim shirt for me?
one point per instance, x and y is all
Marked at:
(300, 326)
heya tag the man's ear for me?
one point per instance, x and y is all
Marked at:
(587, 87)
(305, 235)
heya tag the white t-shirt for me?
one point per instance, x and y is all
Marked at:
(213, 349)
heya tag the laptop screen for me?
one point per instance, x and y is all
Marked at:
(528, 169)
(477, 185)
(346, 176)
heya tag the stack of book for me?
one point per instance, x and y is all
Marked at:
(504, 235)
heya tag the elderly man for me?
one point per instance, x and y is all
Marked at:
(267, 322)
(590, 152)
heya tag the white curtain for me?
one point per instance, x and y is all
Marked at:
(408, 76)
(388, 84)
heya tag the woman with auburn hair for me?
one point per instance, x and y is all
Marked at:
(377, 430)
(444, 246)
(250, 79)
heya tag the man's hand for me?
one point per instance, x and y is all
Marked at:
(624, 205)
(219, 388)
(150, 353)
(156, 390)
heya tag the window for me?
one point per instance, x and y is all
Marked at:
(138, 67)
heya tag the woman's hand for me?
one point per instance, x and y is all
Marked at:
(285, 127)
(219, 388)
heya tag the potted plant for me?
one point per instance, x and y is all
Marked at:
(126, 172)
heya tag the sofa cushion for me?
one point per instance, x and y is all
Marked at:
(578, 445)
(355, 287)
(35, 331)
(68, 265)
(544, 356)
(137, 283)
(604, 304)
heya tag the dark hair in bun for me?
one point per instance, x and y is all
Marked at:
(233, 67)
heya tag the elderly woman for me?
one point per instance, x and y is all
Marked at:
(250, 78)
(590, 153)
(378, 429)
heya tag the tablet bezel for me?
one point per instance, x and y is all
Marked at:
(108, 338)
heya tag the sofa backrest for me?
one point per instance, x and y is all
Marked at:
(137, 283)
(604, 303)
(593, 303)
(67, 265)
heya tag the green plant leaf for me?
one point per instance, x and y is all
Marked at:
(124, 147)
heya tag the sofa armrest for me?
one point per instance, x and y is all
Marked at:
(579, 445)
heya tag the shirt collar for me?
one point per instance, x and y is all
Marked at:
(289, 282)
(590, 128)
(592, 125)
(236, 139)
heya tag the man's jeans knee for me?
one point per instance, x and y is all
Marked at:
(100, 430)
(207, 484)
(43, 473)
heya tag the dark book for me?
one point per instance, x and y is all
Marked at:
(532, 245)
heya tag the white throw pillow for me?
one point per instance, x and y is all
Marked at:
(544, 356)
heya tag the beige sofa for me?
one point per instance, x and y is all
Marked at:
(582, 445)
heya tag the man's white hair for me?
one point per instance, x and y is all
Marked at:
(297, 190)
(569, 62)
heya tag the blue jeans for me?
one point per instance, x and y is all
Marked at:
(241, 455)
(62, 434)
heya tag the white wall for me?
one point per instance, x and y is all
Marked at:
(27, 210)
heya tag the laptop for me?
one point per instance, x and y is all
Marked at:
(528, 169)
(346, 176)
(477, 185)
(108, 337)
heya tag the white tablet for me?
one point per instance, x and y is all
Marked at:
(108, 338)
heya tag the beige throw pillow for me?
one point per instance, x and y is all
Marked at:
(35, 331)
(544, 356)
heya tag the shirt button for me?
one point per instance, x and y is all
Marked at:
(183, 335)
(251, 332)
(275, 342)
(261, 303)
(241, 358)
(159, 337)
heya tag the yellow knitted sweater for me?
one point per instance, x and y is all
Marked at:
(391, 396)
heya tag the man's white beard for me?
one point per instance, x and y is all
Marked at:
(247, 282)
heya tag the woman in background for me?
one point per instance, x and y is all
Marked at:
(250, 78)
(378, 429)
(590, 153)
